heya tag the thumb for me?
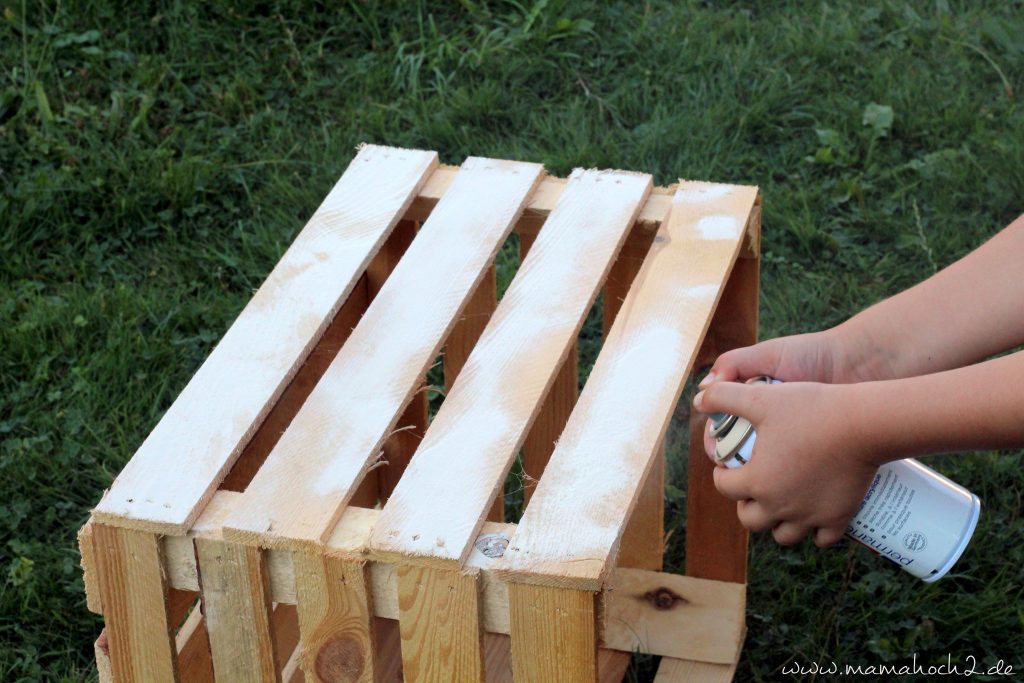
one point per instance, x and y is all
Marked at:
(744, 363)
(735, 398)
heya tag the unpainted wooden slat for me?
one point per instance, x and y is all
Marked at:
(672, 670)
(716, 542)
(193, 642)
(554, 634)
(134, 593)
(298, 495)
(611, 665)
(237, 607)
(437, 508)
(335, 618)
(439, 619)
(628, 610)
(167, 482)
(90, 580)
(570, 533)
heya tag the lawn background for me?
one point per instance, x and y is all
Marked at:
(156, 159)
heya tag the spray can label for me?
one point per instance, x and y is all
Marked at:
(911, 515)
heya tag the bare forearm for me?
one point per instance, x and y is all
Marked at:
(976, 407)
(963, 314)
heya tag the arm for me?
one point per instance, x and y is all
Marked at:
(962, 314)
(818, 445)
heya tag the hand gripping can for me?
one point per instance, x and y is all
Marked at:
(911, 514)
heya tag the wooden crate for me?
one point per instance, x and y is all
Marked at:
(293, 517)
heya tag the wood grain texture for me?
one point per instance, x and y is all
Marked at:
(571, 530)
(660, 613)
(101, 650)
(554, 634)
(237, 607)
(633, 599)
(672, 670)
(87, 561)
(716, 542)
(193, 642)
(335, 618)
(643, 542)
(298, 495)
(439, 619)
(611, 665)
(179, 465)
(134, 593)
(438, 507)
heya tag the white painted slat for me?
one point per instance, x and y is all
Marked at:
(299, 493)
(442, 500)
(570, 532)
(173, 474)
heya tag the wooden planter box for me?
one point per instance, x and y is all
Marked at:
(293, 516)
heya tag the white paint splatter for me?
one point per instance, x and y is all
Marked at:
(719, 227)
(700, 193)
(707, 291)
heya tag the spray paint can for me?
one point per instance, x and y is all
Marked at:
(911, 514)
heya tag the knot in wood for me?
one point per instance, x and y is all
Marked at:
(340, 659)
(663, 598)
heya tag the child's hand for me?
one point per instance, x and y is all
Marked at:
(810, 467)
(834, 356)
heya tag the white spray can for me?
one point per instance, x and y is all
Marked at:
(911, 514)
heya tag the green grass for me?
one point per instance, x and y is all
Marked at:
(156, 161)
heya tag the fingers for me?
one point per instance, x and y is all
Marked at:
(731, 397)
(732, 483)
(754, 517)
(789, 533)
(744, 363)
(824, 537)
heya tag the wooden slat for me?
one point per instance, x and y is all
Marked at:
(554, 634)
(622, 619)
(104, 671)
(687, 671)
(237, 605)
(716, 542)
(611, 665)
(439, 618)
(134, 593)
(643, 540)
(554, 412)
(570, 532)
(436, 510)
(297, 497)
(173, 474)
(194, 660)
(335, 618)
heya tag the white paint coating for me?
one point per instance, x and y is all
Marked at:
(700, 193)
(466, 452)
(571, 529)
(718, 227)
(299, 493)
(167, 481)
